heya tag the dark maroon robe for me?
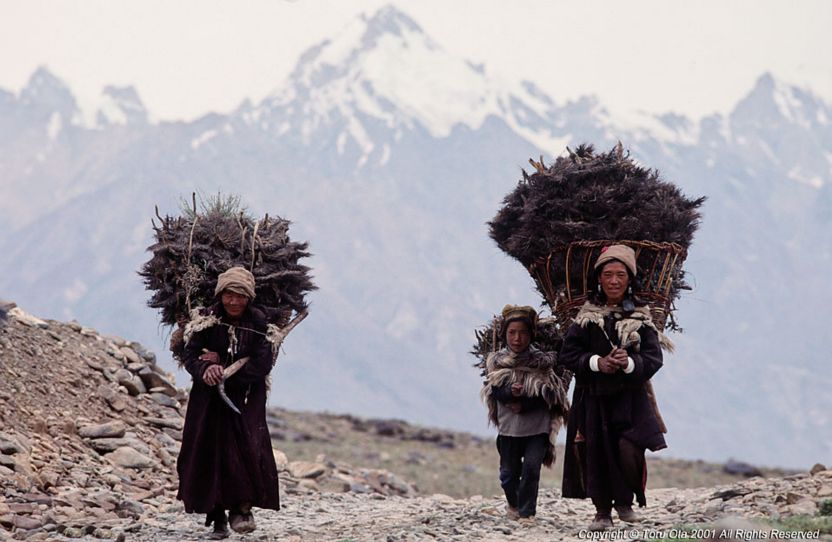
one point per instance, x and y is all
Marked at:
(607, 408)
(226, 458)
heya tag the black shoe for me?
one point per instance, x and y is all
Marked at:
(220, 531)
(601, 522)
(241, 519)
(220, 521)
(626, 513)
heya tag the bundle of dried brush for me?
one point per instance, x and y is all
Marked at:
(557, 220)
(192, 250)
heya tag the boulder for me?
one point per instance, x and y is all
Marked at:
(805, 507)
(155, 381)
(164, 399)
(27, 319)
(305, 469)
(280, 459)
(114, 429)
(131, 355)
(9, 445)
(132, 384)
(129, 458)
(107, 445)
(172, 423)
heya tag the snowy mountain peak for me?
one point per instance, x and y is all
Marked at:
(120, 105)
(47, 94)
(389, 20)
(772, 100)
(385, 70)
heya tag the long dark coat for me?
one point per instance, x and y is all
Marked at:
(606, 408)
(226, 459)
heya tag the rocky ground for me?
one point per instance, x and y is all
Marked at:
(691, 514)
(90, 427)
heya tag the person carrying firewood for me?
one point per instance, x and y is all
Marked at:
(526, 401)
(613, 348)
(226, 461)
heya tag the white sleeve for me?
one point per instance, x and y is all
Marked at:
(593, 362)
(631, 365)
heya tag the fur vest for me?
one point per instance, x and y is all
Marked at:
(535, 370)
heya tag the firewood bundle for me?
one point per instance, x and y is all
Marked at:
(558, 219)
(191, 250)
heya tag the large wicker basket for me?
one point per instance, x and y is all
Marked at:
(563, 276)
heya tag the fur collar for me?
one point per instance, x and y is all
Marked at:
(534, 369)
(201, 319)
(626, 324)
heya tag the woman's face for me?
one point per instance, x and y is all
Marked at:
(233, 303)
(614, 281)
(518, 336)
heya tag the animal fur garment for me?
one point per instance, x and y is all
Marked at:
(199, 319)
(192, 250)
(535, 371)
(203, 318)
(626, 326)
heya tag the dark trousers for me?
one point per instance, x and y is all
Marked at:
(520, 461)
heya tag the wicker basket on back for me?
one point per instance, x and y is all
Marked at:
(563, 276)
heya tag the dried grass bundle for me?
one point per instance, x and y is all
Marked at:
(589, 196)
(557, 221)
(192, 250)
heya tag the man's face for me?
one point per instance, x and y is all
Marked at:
(518, 336)
(614, 281)
(234, 303)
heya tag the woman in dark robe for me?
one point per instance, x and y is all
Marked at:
(612, 348)
(226, 460)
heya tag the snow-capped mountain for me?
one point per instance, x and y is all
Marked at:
(390, 154)
(385, 71)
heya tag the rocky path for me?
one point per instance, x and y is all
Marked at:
(90, 427)
(739, 510)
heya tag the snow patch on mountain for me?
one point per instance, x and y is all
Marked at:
(384, 69)
(120, 106)
(789, 105)
(797, 174)
(53, 129)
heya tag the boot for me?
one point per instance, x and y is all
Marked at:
(602, 521)
(512, 512)
(218, 518)
(626, 513)
(242, 520)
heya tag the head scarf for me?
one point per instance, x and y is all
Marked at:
(238, 280)
(517, 313)
(621, 253)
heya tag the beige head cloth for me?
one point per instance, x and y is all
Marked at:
(622, 253)
(238, 280)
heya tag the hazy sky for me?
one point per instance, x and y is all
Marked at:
(188, 57)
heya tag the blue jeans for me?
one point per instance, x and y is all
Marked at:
(520, 461)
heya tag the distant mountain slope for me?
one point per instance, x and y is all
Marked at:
(389, 154)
